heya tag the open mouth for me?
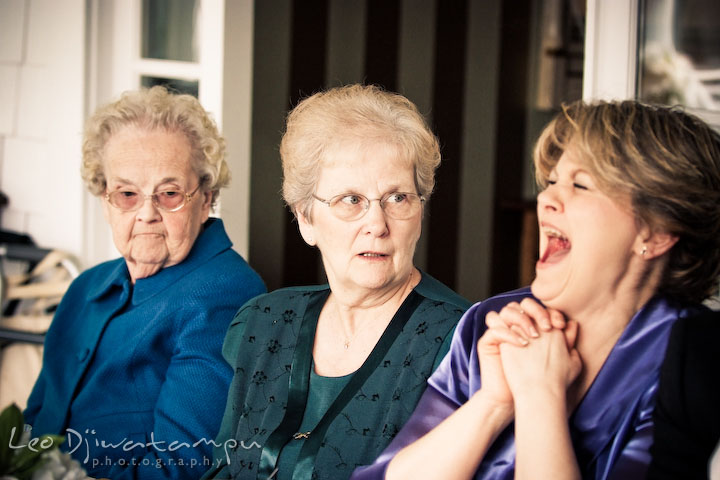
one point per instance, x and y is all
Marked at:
(557, 246)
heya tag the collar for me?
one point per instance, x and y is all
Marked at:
(117, 277)
(431, 288)
(211, 241)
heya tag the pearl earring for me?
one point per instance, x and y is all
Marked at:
(644, 250)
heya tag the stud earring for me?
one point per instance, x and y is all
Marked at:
(644, 250)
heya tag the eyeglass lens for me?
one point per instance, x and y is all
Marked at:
(399, 206)
(169, 200)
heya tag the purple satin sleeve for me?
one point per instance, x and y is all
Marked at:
(635, 457)
(631, 458)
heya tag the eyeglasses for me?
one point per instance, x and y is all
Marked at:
(353, 206)
(166, 200)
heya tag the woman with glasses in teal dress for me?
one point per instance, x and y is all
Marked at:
(132, 374)
(326, 375)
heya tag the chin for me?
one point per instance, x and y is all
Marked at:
(151, 258)
(554, 296)
(543, 291)
(373, 281)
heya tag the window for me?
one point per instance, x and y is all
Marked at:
(622, 59)
(169, 45)
(679, 45)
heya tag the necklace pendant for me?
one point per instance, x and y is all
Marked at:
(347, 345)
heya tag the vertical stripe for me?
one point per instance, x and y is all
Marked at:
(511, 125)
(307, 75)
(415, 78)
(271, 73)
(448, 120)
(381, 43)
(346, 43)
(478, 164)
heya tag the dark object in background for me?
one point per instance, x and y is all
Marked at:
(687, 418)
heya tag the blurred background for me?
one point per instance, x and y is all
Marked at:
(488, 74)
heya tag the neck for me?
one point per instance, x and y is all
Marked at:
(355, 311)
(349, 326)
(602, 324)
(142, 270)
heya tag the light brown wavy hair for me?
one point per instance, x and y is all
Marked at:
(666, 161)
(156, 109)
(352, 115)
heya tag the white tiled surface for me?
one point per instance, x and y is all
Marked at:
(25, 174)
(12, 19)
(34, 95)
(44, 39)
(42, 101)
(8, 98)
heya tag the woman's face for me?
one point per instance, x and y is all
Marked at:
(374, 252)
(587, 242)
(146, 162)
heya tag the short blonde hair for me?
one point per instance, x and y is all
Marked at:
(666, 161)
(156, 109)
(359, 114)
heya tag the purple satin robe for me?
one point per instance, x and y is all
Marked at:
(612, 427)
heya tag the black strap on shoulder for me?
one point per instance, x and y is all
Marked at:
(306, 459)
(299, 384)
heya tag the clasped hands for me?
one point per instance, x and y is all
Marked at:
(528, 354)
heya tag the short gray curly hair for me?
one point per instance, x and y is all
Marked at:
(360, 113)
(156, 108)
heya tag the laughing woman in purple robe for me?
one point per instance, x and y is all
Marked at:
(629, 217)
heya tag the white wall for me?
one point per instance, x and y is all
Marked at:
(42, 85)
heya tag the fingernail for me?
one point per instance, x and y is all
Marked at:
(534, 332)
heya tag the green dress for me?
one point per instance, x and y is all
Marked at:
(275, 402)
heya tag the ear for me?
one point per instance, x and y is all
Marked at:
(656, 244)
(206, 205)
(306, 229)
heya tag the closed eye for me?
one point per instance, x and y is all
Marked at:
(169, 193)
(579, 186)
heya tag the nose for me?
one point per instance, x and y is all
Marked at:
(148, 212)
(550, 198)
(375, 220)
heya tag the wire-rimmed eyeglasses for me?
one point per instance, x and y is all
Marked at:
(353, 206)
(167, 200)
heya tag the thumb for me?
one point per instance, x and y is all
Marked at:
(575, 365)
(571, 333)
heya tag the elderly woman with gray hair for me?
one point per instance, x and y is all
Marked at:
(326, 375)
(132, 371)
